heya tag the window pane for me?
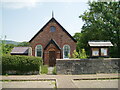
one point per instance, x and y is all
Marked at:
(52, 29)
(66, 51)
(39, 51)
(66, 54)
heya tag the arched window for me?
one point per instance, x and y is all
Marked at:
(38, 51)
(66, 51)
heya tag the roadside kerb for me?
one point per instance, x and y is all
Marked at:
(62, 81)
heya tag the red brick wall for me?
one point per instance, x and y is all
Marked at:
(59, 36)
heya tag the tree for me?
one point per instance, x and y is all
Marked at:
(77, 37)
(7, 48)
(102, 22)
(23, 44)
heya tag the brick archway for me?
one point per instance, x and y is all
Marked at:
(51, 53)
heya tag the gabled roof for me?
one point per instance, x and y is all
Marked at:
(52, 42)
(20, 50)
(100, 43)
(53, 20)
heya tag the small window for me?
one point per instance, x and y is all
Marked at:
(66, 51)
(52, 29)
(38, 51)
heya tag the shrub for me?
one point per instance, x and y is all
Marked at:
(20, 64)
(75, 54)
(81, 55)
(54, 71)
(44, 69)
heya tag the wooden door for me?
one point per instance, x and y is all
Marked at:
(52, 58)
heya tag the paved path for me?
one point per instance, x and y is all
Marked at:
(96, 83)
(28, 84)
(50, 70)
(62, 81)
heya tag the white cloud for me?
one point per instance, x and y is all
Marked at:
(17, 4)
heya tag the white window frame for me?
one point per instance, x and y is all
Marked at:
(63, 51)
(36, 50)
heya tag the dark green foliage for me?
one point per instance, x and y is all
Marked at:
(102, 22)
(20, 63)
(6, 48)
(23, 44)
(77, 37)
(44, 69)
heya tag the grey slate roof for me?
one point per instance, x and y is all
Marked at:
(100, 43)
(20, 50)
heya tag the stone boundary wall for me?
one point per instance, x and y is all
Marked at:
(87, 66)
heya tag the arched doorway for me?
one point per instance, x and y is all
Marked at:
(52, 57)
(51, 52)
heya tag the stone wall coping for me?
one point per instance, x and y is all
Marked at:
(90, 59)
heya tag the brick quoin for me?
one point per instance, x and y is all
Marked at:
(61, 37)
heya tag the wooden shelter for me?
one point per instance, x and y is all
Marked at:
(99, 48)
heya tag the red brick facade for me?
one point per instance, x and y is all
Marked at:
(60, 37)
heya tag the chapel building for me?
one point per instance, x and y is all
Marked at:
(52, 42)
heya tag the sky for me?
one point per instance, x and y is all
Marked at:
(20, 20)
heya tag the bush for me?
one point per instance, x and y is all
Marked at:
(20, 64)
(81, 55)
(54, 71)
(44, 69)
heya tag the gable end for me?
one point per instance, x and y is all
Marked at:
(52, 20)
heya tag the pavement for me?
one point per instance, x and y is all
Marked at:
(71, 81)
(28, 84)
(50, 70)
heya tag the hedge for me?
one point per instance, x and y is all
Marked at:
(20, 64)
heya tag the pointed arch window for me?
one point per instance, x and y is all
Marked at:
(66, 51)
(38, 51)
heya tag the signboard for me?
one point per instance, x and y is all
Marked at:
(104, 51)
(95, 52)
